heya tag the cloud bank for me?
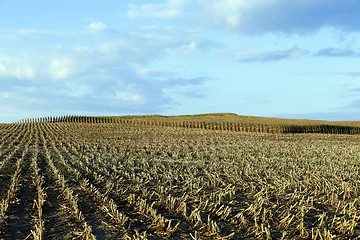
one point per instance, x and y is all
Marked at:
(257, 16)
(104, 72)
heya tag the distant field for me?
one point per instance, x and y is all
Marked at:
(184, 177)
(221, 121)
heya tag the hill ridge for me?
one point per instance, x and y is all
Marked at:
(217, 121)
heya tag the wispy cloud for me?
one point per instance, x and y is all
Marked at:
(265, 56)
(353, 89)
(335, 52)
(350, 74)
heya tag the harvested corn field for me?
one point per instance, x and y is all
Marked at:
(115, 180)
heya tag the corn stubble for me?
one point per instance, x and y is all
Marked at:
(172, 181)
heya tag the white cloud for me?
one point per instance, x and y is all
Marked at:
(21, 69)
(61, 68)
(143, 71)
(98, 26)
(141, 48)
(134, 98)
(28, 32)
(189, 49)
(226, 14)
(171, 9)
(6, 95)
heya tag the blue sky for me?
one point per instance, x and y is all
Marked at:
(274, 58)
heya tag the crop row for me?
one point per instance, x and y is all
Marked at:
(262, 189)
(151, 182)
(228, 125)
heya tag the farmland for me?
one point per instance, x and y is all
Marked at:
(197, 177)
